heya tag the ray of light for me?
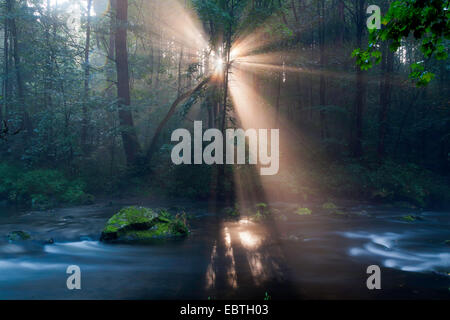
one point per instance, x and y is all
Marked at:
(177, 22)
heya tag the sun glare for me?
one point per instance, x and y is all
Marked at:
(219, 64)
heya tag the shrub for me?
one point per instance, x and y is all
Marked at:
(387, 182)
(41, 189)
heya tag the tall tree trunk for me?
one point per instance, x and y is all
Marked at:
(84, 129)
(361, 85)
(278, 98)
(128, 132)
(341, 15)
(225, 83)
(385, 98)
(180, 74)
(6, 70)
(110, 75)
(110, 78)
(322, 90)
(26, 121)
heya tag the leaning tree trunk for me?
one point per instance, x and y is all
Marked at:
(152, 148)
(128, 132)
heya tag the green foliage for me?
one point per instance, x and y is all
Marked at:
(41, 189)
(233, 211)
(428, 21)
(262, 212)
(387, 182)
(179, 225)
(419, 74)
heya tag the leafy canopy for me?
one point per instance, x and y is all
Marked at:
(426, 20)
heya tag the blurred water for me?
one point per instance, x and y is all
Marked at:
(313, 257)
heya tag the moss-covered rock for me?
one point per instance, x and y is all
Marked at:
(329, 206)
(19, 236)
(143, 224)
(303, 212)
(411, 218)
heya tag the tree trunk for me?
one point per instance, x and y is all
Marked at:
(26, 121)
(385, 98)
(84, 129)
(322, 90)
(341, 13)
(129, 137)
(180, 74)
(6, 70)
(169, 114)
(361, 85)
(277, 99)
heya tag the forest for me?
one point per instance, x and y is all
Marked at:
(247, 146)
(91, 91)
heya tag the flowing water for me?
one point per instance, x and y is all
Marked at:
(321, 256)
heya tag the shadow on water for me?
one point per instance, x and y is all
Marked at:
(311, 257)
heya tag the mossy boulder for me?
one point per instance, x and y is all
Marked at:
(303, 212)
(19, 236)
(138, 224)
(411, 218)
(329, 206)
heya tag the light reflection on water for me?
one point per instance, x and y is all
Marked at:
(231, 271)
(210, 271)
(249, 240)
(242, 241)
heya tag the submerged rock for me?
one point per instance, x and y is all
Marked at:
(19, 236)
(137, 224)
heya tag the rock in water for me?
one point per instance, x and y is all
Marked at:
(18, 236)
(137, 224)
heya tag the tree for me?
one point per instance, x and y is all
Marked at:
(428, 21)
(26, 121)
(129, 137)
(87, 69)
(361, 83)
